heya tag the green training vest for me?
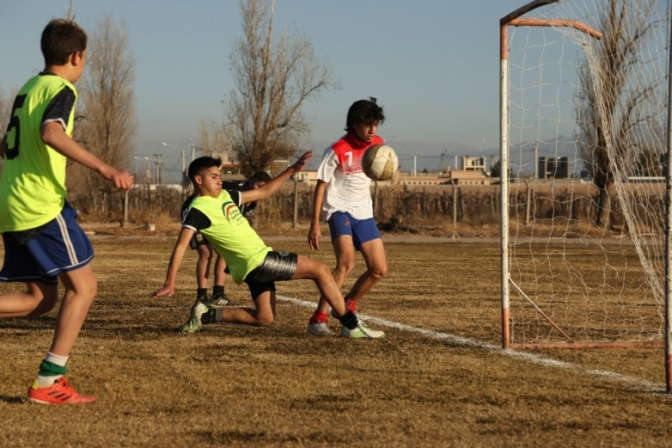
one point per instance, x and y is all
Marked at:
(231, 235)
(32, 185)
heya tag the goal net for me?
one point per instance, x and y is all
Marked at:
(584, 126)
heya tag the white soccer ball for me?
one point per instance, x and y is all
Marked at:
(380, 162)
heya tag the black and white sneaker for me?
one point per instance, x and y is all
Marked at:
(218, 301)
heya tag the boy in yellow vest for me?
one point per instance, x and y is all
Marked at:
(215, 213)
(43, 242)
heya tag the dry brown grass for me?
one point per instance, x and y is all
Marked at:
(277, 386)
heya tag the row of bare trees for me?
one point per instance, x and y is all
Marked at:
(264, 113)
(275, 75)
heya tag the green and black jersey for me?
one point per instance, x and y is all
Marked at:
(32, 185)
(230, 234)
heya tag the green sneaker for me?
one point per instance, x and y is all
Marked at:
(361, 331)
(194, 323)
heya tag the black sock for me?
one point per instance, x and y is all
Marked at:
(218, 290)
(349, 320)
(202, 292)
(210, 317)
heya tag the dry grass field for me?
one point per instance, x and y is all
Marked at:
(438, 379)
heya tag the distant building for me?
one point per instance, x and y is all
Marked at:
(474, 164)
(468, 177)
(553, 167)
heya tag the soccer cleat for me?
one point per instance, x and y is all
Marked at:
(217, 301)
(61, 392)
(319, 329)
(361, 331)
(194, 323)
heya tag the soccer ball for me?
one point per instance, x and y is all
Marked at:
(380, 162)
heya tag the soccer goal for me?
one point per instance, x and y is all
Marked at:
(584, 156)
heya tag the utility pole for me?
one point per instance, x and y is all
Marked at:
(158, 160)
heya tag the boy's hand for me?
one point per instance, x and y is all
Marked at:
(122, 180)
(167, 290)
(302, 161)
(314, 237)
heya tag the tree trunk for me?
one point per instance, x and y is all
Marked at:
(603, 209)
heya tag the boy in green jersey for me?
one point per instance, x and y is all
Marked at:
(215, 213)
(43, 242)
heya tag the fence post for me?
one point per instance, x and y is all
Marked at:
(295, 219)
(125, 223)
(528, 204)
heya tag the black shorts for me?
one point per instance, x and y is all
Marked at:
(197, 240)
(276, 267)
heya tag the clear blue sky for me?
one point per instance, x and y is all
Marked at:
(433, 65)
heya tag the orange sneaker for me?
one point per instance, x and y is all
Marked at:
(61, 392)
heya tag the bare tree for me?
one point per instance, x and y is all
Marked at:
(107, 125)
(215, 140)
(273, 81)
(613, 102)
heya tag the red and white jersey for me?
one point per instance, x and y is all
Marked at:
(349, 188)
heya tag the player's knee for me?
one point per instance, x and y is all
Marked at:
(345, 267)
(378, 273)
(323, 270)
(44, 305)
(87, 292)
(264, 320)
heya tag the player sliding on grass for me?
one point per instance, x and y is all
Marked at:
(343, 197)
(43, 242)
(215, 213)
(205, 252)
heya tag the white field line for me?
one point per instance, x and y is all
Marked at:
(638, 383)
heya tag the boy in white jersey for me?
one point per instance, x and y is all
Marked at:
(343, 196)
(216, 214)
(43, 242)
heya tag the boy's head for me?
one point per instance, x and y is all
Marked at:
(364, 112)
(258, 179)
(200, 164)
(61, 38)
(204, 175)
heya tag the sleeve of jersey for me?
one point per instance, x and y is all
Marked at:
(236, 197)
(195, 220)
(60, 107)
(328, 165)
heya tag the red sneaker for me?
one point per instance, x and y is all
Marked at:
(61, 392)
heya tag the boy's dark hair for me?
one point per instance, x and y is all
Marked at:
(60, 39)
(259, 176)
(364, 112)
(202, 163)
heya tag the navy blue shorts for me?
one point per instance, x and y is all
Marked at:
(62, 246)
(276, 267)
(361, 231)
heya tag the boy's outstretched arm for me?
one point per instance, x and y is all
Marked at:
(175, 260)
(54, 136)
(270, 187)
